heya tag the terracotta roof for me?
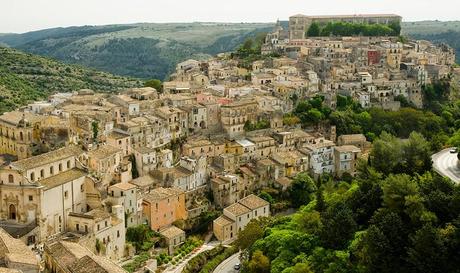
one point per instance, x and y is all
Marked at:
(14, 117)
(103, 152)
(75, 258)
(118, 135)
(15, 250)
(62, 178)
(347, 148)
(161, 193)
(98, 214)
(171, 232)
(46, 158)
(253, 202)
(124, 186)
(9, 270)
(223, 221)
(237, 209)
(284, 181)
(95, 264)
(143, 181)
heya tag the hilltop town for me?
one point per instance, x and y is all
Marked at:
(195, 158)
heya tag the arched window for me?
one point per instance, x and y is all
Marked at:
(10, 178)
(21, 136)
(42, 173)
(51, 170)
(32, 176)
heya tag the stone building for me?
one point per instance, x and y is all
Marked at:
(69, 257)
(41, 191)
(236, 216)
(163, 206)
(299, 24)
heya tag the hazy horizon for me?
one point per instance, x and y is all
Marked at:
(43, 14)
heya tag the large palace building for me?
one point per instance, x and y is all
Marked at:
(299, 24)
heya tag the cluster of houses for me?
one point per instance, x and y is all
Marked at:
(79, 169)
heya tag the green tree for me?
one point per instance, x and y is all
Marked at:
(309, 222)
(386, 153)
(301, 190)
(259, 263)
(428, 251)
(314, 30)
(417, 154)
(253, 231)
(340, 226)
(95, 129)
(155, 83)
(396, 188)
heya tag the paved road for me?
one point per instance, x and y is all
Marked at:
(227, 265)
(445, 163)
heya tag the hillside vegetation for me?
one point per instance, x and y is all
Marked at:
(139, 50)
(435, 31)
(25, 77)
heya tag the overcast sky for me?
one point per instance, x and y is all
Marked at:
(26, 15)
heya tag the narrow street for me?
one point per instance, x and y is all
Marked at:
(227, 266)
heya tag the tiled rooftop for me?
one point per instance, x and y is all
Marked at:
(161, 193)
(47, 158)
(237, 209)
(62, 178)
(171, 232)
(253, 202)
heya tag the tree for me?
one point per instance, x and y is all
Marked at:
(382, 248)
(154, 83)
(314, 30)
(417, 154)
(386, 153)
(428, 252)
(396, 188)
(340, 226)
(253, 231)
(301, 268)
(309, 222)
(301, 190)
(259, 263)
(95, 129)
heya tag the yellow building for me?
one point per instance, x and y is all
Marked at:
(18, 133)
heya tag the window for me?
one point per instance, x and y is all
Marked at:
(66, 194)
(51, 170)
(98, 227)
(32, 176)
(31, 198)
(10, 178)
(105, 223)
(60, 219)
(82, 189)
(86, 228)
(239, 219)
(118, 234)
(60, 167)
(42, 173)
(77, 227)
(68, 164)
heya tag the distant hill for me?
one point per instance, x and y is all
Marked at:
(435, 31)
(25, 77)
(139, 50)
